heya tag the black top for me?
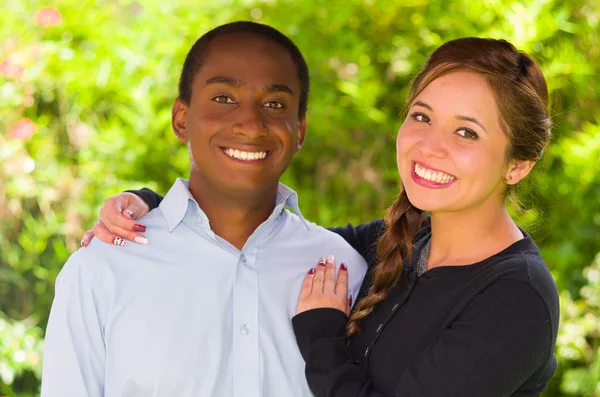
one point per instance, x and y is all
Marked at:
(486, 329)
(483, 330)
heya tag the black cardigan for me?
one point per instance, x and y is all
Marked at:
(483, 330)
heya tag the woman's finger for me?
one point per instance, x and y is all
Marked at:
(307, 285)
(329, 278)
(349, 305)
(118, 238)
(341, 285)
(319, 276)
(87, 237)
(117, 212)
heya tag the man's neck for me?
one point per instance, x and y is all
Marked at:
(234, 218)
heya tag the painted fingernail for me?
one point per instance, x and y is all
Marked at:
(322, 262)
(129, 213)
(139, 228)
(330, 259)
(119, 241)
(83, 241)
(311, 271)
(343, 267)
(141, 240)
(350, 301)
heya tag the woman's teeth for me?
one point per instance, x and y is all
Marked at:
(433, 176)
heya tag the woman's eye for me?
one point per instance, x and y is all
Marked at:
(274, 105)
(468, 134)
(420, 117)
(223, 99)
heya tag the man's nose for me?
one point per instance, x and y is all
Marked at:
(250, 122)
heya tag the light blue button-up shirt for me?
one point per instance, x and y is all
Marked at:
(188, 314)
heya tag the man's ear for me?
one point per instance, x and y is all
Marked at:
(301, 134)
(518, 170)
(178, 120)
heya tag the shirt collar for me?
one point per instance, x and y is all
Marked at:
(175, 204)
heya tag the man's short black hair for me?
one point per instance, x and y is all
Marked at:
(194, 59)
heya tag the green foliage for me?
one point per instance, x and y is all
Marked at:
(578, 345)
(97, 81)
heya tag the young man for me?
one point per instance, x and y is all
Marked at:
(205, 309)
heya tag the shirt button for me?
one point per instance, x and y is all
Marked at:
(245, 329)
(199, 220)
(243, 257)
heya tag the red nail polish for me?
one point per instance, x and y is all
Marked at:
(139, 228)
(322, 262)
(118, 241)
(343, 267)
(350, 301)
(129, 214)
(311, 271)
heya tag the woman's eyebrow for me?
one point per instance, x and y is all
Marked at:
(422, 104)
(472, 120)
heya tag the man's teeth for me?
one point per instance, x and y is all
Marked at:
(242, 155)
(433, 176)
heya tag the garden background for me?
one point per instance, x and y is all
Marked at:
(86, 89)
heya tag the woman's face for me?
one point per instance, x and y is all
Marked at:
(451, 148)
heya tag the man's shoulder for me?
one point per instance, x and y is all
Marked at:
(98, 255)
(314, 235)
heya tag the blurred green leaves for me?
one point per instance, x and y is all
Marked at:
(86, 89)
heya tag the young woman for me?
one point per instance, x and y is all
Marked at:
(457, 302)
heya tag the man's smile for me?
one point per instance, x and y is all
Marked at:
(245, 155)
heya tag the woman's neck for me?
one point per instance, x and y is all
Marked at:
(466, 237)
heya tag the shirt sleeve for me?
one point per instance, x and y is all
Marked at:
(363, 238)
(151, 198)
(494, 346)
(74, 352)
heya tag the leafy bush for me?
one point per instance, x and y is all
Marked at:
(85, 96)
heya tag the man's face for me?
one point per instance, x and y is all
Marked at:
(241, 126)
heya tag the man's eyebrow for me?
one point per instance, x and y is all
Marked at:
(279, 88)
(422, 104)
(472, 120)
(224, 80)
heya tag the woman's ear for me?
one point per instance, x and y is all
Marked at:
(518, 170)
(178, 120)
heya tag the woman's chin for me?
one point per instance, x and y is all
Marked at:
(426, 202)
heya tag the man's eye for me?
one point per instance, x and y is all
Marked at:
(468, 134)
(274, 105)
(223, 99)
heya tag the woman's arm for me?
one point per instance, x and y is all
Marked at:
(363, 238)
(494, 346)
(116, 222)
(151, 198)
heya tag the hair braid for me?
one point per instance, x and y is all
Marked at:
(402, 220)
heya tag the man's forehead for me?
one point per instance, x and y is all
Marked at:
(246, 42)
(248, 58)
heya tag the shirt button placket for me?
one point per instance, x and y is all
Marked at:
(246, 363)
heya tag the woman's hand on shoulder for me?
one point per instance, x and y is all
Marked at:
(116, 222)
(322, 289)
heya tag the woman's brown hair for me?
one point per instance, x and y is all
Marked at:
(521, 95)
